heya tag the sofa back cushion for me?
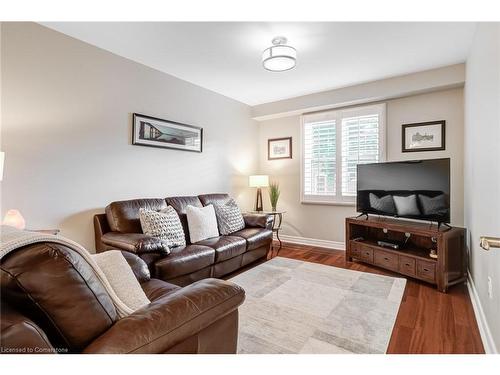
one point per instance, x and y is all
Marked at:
(56, 288)
(123, 216)
(180, 204)
(215, 199)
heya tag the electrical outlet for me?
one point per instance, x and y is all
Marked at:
(490, 288)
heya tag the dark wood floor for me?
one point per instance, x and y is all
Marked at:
(428, 321)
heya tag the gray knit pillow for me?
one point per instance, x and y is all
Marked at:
(229, 217)
(164, 224)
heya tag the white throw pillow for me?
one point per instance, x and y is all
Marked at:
(121, 278)
(202, 223)
(406, 206)
(164, 224)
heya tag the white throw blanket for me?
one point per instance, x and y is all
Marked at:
(12, 239)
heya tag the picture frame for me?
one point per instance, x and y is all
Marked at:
(423, 136)
(279, 148)
(156, 132)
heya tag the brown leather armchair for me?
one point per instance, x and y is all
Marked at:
(120, 228)
(51, 302)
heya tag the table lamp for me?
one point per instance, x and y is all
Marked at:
(14, 219)
(258, 181)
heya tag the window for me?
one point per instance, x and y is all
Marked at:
(333, 144)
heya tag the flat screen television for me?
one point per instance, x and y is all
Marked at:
(416, 189)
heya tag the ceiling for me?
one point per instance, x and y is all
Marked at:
(225, 57)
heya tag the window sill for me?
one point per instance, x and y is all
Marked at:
(327, 203)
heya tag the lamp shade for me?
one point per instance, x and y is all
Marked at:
(258, 181)
(14, 219)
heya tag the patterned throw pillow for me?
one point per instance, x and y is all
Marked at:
(164, 224)
(229, 217)
(383, 204)
(434, 206)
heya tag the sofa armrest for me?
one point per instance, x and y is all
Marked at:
(258, 220)
(171, 319)
(139, 267)
(135, 242)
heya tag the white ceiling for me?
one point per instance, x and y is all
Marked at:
(225, 57)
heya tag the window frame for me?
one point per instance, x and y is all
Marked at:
(337, 115)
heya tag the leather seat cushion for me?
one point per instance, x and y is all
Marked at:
(183, 260)
(156, 289)
(255, 237)
(226, 247)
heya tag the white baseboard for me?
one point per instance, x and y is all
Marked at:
(312, 242)
(484, 329)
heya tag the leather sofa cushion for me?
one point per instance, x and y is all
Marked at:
(180, 204)
(207, 199)
(226, 247)
(51, 284)
(171, 319)
(183, 260)
(19, 333)
(255, 237)
(123, 216)
(156, 289)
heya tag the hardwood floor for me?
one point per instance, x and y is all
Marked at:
(428, 321)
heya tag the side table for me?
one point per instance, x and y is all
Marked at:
(278, 220)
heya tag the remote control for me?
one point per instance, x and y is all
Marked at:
(388, 244)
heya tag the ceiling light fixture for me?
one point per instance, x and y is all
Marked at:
(279, 57)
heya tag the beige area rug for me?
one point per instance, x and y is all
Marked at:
(300, 307)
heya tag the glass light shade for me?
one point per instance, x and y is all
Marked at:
(258, 181)
(279, 58)
(14, 219)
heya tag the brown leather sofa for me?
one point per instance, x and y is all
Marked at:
(51, 302)
(120, 228)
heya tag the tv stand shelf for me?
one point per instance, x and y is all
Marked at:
(412, 258)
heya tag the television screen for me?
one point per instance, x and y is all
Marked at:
(417, 189)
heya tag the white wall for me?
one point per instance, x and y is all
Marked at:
(326, 222)
(438, 79)
(482, 173)
(66, 124)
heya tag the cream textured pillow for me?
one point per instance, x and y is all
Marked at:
(229, 217)
(202, 223)
(164, 224)
(121, 278)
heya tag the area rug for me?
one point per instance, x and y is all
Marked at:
(293, 306)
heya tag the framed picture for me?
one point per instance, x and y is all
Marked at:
(279, 148)
(156, 132)
(423, 136)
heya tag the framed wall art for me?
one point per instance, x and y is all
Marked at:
(155, 132)
(424, 136)
(279, 148)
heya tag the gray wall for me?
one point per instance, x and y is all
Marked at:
(482, 172)
(326, 222)
(66, 124)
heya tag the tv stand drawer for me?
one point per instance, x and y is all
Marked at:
(386, 260)
(362, 251)
(407, 265)
(426, 270)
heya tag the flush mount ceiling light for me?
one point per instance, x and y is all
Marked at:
(279, 57)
